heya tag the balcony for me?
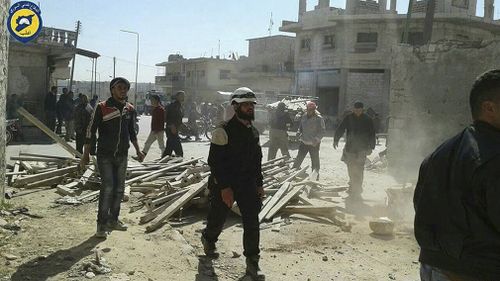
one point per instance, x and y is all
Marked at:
(56, 37)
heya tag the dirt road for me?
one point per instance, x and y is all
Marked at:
(60, 245)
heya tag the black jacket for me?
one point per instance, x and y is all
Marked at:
(174, 114)
(235, 161)
(115, 122)
(280, 119)
(457, 204)
(360, 133)
(82, 118)
(50, 101)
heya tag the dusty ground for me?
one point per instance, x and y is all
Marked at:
(57, 246)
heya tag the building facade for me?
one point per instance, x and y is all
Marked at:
(344, 55)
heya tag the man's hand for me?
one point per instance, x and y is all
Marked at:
(140, 156)
(84, 160)
(227, 196)
(335, 144)
(261, 193)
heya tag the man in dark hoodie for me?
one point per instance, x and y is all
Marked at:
(278, 136)
(457, 215)
(82, 116)
(114, 118)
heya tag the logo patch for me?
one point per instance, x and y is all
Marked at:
(24, 21)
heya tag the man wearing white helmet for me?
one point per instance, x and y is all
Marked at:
(235, 162)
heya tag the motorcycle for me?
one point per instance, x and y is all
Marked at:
(12, 131)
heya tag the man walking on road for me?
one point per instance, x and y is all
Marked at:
(82, 120)
(457, 215)
(235, 162)
(278, 136)
(157, 125)
(311, 131)
(114, 118)
(360, 142)
(51, 108)
(174, 115)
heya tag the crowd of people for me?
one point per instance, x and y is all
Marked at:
(456, 222)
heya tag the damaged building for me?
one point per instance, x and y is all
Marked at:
(36, 66)
(268, 70)
(344, 55)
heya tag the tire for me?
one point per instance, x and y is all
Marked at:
(8, 137)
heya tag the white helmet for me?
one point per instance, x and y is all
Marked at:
(243, 94)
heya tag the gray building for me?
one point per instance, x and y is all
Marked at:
(344, 55)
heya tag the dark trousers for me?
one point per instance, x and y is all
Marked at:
(112, 171)
(80, 141)
(355, 168)
(50, 120)
(173, 144)
(249, 204)
(313, 152)
(278, 139)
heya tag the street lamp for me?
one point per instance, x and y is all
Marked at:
(136, 63)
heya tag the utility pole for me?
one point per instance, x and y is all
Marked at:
(78, 25)
(114, 67)
(4, 52)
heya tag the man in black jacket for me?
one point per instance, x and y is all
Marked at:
(457, 219)
(235, 162)
(114, 118)
(50, 108)
(174, 113)
(278, 136)
(360, 142)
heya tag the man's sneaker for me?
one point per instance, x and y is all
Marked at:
(117, 225)
(101, 232)
(209, 248)
(253, 269)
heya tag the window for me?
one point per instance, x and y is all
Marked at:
(329, 41)
(366, 42)
(305, 44)
(224, 74)
(364, 37)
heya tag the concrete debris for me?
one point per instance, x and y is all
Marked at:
(10, 257)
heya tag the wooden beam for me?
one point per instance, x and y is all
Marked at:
(283, 201)
(38, 177)
(45, 182)
(274, 199)
(48, 131)
(158, 172)
(86, 176)
(193, 191)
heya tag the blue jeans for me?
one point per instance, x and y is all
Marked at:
(112, 171)
(431, 273)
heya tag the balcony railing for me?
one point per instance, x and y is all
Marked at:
(55, 36)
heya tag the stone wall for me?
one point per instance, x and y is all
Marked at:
(429, 98)
(371, 88)
(4, 47)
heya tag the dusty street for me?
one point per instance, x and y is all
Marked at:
(57, 246)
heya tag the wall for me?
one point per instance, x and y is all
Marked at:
(371, 88)
(429, 98)
(4, 51)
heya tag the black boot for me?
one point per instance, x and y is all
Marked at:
(253, 269)
(209, 248)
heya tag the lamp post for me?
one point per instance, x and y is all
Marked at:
(136, 63)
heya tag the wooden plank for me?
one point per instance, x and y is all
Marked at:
(158, 222)
(69, 189)
(17, 167)
(325, 211)
(86, 176)
(45, 182)
(282, 202)
(48, 156)
(48, 131)
(169, 168)
(160, 200)
(41, 176)
(27, 167)
(274, 199)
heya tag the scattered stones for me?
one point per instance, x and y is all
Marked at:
(391, 276)
(3, 222)
(325, 258)
(89, 275)
(106, 250)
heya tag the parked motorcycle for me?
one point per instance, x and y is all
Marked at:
(13, 131)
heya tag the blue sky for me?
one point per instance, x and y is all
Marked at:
(192, 28)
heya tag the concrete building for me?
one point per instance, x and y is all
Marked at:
(201, 78)
(268, 69)
(36, 66)
(344, 55)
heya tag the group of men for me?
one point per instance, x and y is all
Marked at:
(457, 221)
